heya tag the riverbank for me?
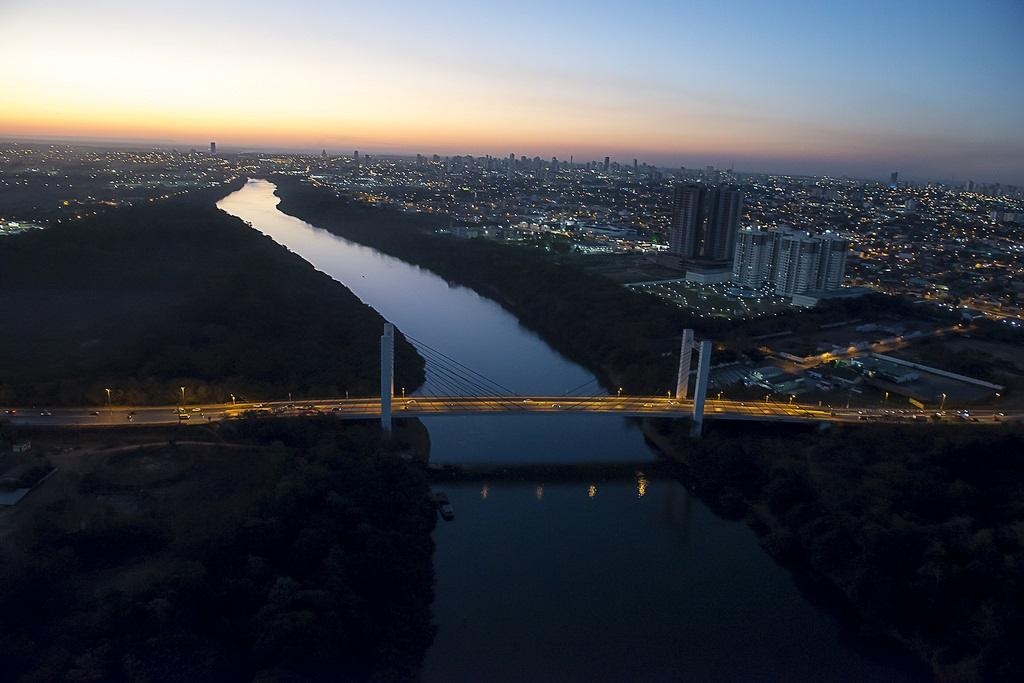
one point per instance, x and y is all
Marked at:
(893, 519)
(146, 300)
(917, 529)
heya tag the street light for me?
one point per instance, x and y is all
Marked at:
(109, 409)
(791, 397)
(943, 403)
(182, 395)
(232, 399)
(620, 392)
(719, 395)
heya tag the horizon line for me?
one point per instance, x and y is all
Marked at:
(317, 150)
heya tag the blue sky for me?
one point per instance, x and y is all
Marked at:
(933, 89)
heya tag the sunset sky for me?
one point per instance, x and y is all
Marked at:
(933, 89)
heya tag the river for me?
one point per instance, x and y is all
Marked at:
(623, 580)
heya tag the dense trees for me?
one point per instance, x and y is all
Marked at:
(314, 563)
(920, 527)
(144, 300)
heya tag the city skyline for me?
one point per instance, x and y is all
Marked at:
(860, 91)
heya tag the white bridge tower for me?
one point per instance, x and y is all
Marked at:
(387, 375)
(700, 392)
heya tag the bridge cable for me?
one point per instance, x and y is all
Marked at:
(452, 377)
(474, 373)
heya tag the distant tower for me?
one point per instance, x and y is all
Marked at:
(324, 154)
(607, 160)
(213, 149)
(894, 177)
(355, 157)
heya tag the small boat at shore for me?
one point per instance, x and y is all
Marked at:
(443, 506)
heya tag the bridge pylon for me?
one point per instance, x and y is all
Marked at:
(685, 355)
(701, 391)
(387, 375)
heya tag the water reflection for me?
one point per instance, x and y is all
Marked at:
(620, 587)
(641, 485)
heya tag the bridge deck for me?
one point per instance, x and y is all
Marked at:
(423, 406)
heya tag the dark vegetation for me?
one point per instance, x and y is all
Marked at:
(921, 528)
(306, 559)
(147, 299)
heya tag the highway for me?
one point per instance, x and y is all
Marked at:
(423, 406)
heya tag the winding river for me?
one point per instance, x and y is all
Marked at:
(579, 580)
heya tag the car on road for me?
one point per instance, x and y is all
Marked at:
(184, 416)
(45, 413)
(95, 413)
(197, 410)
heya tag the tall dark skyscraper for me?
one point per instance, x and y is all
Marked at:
(705, 221)
(894, 177)
(607, 160)
(213, 148)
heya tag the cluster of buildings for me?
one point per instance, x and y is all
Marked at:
(706, 238)
(43, 183)
(959, 244)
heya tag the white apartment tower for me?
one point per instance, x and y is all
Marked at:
(789, 261)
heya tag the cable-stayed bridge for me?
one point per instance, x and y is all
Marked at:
(452, 388)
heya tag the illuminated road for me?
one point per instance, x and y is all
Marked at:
(420, 406)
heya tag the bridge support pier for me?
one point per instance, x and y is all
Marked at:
(387, 375)
(685, 354)
(701, 391)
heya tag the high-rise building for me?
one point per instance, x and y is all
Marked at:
(789, 261)
(705, 221)
(607, 162)
(894, 177)
(213, 149)
(752, 266)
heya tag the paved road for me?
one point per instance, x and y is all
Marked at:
(364, 408)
